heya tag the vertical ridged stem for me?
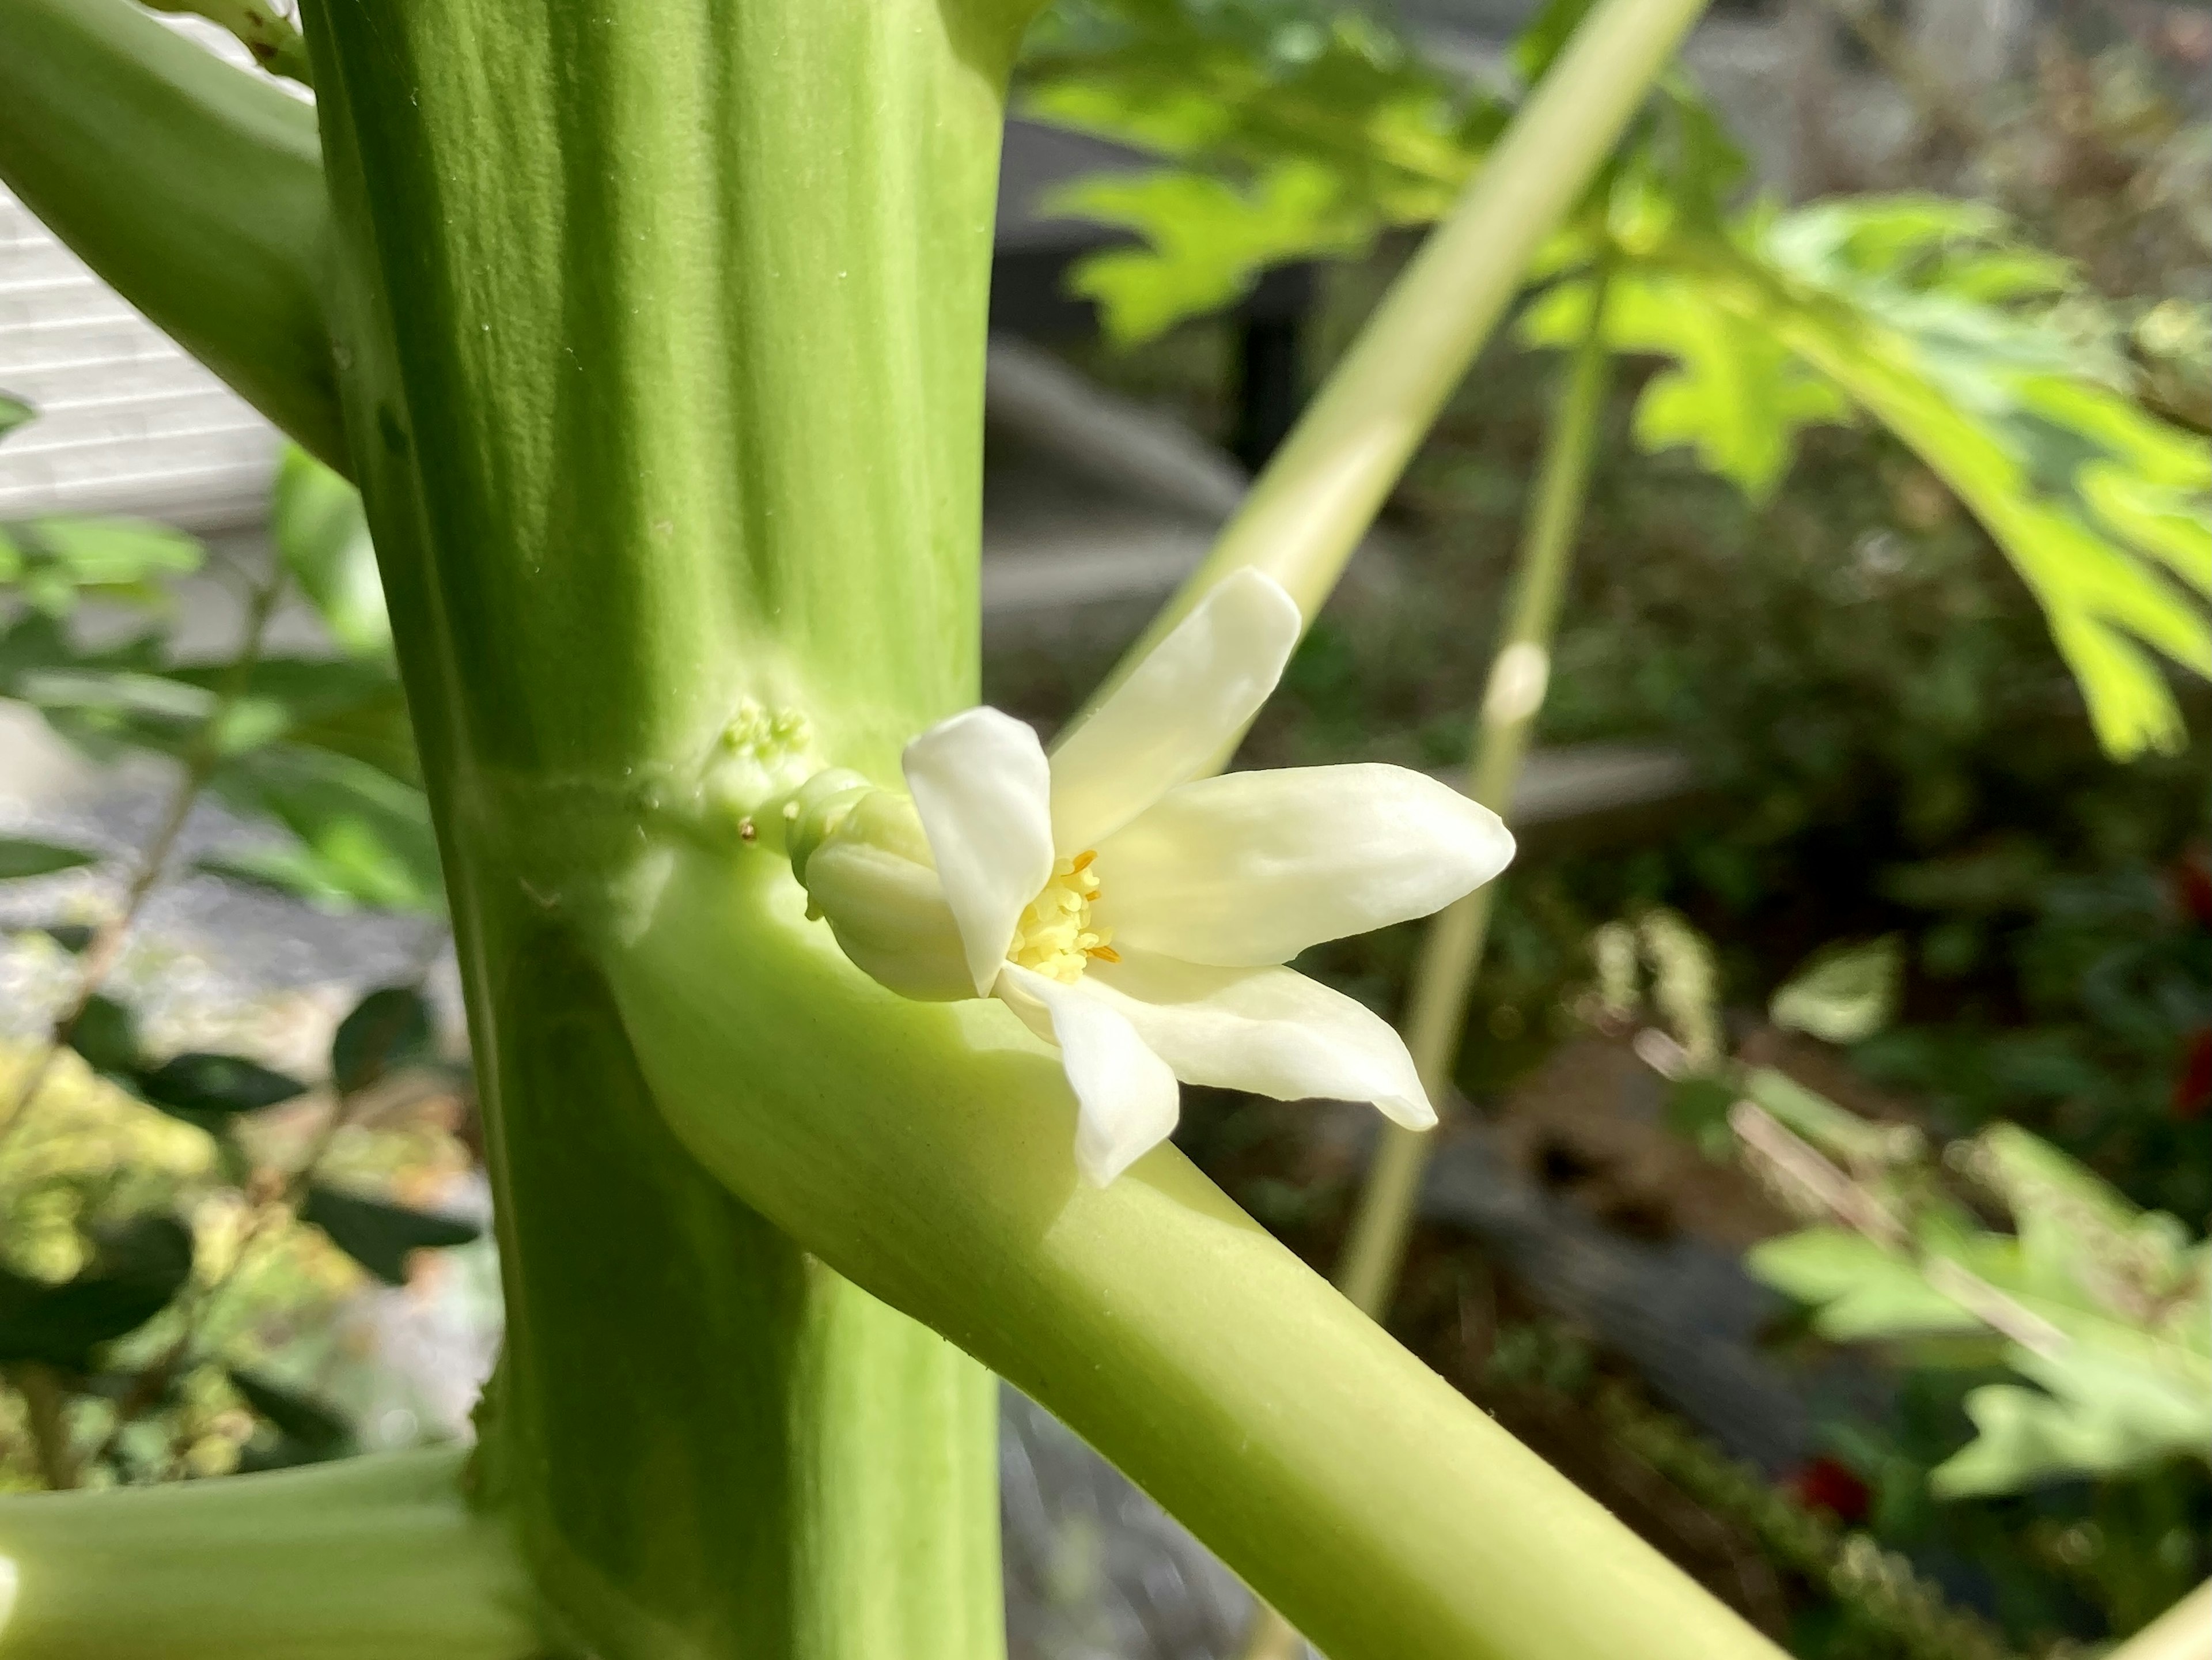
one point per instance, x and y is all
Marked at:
(661, 326)
(1452, 953)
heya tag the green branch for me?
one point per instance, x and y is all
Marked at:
(923, 1149)
(194, 187)
(273, 38)
(371, 1558)
(1519, 673)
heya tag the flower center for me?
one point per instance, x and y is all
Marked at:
(1055, 936)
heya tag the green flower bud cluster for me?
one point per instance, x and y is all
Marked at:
(761, 755)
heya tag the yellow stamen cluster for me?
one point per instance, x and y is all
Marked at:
(1055, 936)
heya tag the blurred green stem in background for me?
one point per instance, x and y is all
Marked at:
(1519, 675)
(1445, 978)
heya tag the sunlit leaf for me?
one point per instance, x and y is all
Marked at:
(1736, 396)
(2097, 1413)
(1857, 1289)
(1206, 240)
(322, 535)
(1303, 130)
(2094, 499)
(1844, 994)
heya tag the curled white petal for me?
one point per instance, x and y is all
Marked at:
(1125, 1097)
(889, 916)
(1252, 867)
(1269, 1031)
(983, 789)
(1186, 701)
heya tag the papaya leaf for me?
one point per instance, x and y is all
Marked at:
(2097, 1413)
(1735, 396)
(1302, 130)
(2098, 503)
(1207, 241)
(1857, 1289)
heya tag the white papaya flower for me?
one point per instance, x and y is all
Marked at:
(1136, 915)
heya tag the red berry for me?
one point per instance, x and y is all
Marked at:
(2192, 888)
(2192, 1084)
(1830, 1484)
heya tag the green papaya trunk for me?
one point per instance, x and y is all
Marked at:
(661, 329)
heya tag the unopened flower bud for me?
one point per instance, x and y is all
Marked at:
(860, 853)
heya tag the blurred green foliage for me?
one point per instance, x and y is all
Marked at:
(175, 1223)
(1295, 131)
(1818, 610)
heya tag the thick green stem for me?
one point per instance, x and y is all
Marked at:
(1310, 508)
(1452, 953)
(193, 187)
(664, 327)
(362, 1560)
(926, 1149)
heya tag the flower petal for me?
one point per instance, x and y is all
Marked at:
(1125, 1097)
(1269, 1031)
(1185, 702)
(1252, 867)
(982, 785)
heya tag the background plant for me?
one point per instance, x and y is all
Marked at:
(1283, 210)
(164, 1286)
